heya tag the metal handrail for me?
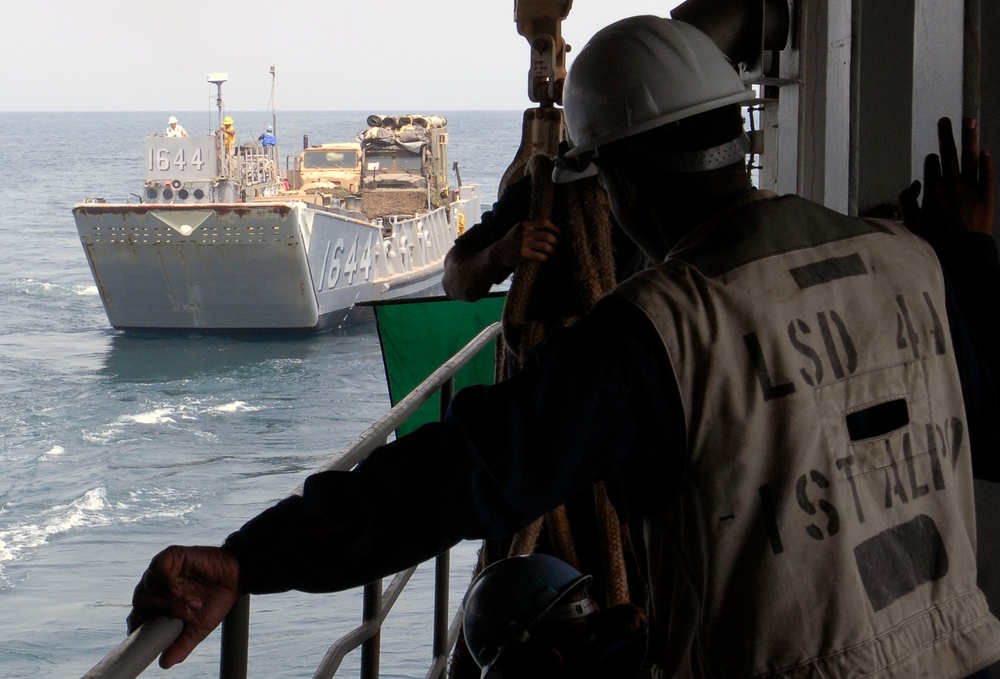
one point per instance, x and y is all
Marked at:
(138, 651)
(377, 606)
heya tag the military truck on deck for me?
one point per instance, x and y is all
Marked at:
(397, 167)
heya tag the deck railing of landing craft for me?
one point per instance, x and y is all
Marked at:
(138, 651)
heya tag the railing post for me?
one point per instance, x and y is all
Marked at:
(236, 641)
(442, 576)
(372, 648)
(447, 392)
(442, 570)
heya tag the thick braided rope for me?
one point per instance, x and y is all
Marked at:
(519, 333)
(540, 299)
(588, 233)
(532, 310)
(613, 549)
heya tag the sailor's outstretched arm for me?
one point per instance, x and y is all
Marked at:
(594, 400)
(590, 402)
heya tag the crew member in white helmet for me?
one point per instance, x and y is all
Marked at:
(793, 404)
(174, 128)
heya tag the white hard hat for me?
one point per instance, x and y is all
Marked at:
(640, 73)
(171, 120)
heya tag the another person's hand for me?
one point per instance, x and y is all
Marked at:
(956, 197)
(196, 585)
(529, 241)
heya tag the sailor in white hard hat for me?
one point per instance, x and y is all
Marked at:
(789, 405)
(174, 129)
(749, 282)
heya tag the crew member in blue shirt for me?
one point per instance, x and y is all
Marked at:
(267, 139)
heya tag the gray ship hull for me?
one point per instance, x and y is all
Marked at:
(257, 266)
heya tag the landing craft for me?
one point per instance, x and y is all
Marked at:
(217, 245)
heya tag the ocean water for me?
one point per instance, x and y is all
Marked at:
(115, 446)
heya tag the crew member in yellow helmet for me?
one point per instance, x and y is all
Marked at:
(228, 134)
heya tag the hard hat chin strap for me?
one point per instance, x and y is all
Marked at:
(700, 160)
(571, 169)
(571, 610)
(706, 159)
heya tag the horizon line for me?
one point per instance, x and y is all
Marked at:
(298, 110)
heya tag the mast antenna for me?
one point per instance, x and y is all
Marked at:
(217, 79)
(274, 107)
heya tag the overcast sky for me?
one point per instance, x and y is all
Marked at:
(136, 55)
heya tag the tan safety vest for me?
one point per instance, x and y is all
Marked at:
(825, 525)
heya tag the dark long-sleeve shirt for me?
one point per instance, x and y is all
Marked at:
(596, 401)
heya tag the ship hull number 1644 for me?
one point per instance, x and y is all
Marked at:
(162, 160)
(344, 266)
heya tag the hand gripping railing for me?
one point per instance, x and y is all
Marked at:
(137, 652)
